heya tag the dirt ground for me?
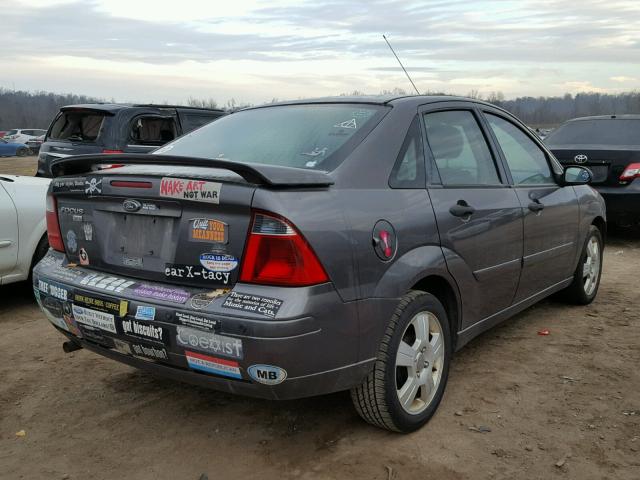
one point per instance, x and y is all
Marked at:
(565, 405)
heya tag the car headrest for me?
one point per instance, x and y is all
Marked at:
(446, 141)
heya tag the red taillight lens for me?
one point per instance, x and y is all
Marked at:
(632, 171)
(277, 254)
(53, 227)
(112, 151)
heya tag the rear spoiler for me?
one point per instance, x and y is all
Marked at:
(268, 175)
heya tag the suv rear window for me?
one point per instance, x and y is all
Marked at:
(602, 131)
(152, 130)
(317, 136)
(77, 126)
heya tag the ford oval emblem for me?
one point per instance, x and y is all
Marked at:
(267, 374)
(131, 205)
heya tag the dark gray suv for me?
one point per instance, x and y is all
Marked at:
(316, 246)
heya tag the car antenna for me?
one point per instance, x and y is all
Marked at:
(405, 70)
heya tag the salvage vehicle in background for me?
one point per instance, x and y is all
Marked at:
(310, 247)
(117, 128)
(23, 228)
(35, 144)
(8, 149)
(610, 147)
(23, 135)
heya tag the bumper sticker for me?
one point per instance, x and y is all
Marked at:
(94, 318)
(197, 321)
(218, 263)
(217, 366)
(114, 307)
(245, 302)
(145, 312)
(209, 342)
(195, 272)
(208, 230)
(105, 282)
(174, 295)
(194, 190)
(146, 331)
(53, 289)
(145, 351)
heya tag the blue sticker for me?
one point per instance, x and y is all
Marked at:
(72, 242)
(144, 312)
(218, 263)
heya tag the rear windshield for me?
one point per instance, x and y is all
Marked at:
(11, 132)
(603, 131)
(77, 126)
(316, 137)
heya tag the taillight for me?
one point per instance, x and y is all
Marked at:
(277, 254)
(632, 171)
(106, 150)
(53, 227)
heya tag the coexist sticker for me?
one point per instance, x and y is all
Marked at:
(218, 263)
(217, 366)
(208, 230)
(194, 190)
(209, 342)
(267, 374)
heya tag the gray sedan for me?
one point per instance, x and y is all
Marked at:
(316, 246)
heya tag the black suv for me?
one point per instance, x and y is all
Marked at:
(610, 147)
(117, 128)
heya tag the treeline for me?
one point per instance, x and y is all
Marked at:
(21, 109)
(552, 111)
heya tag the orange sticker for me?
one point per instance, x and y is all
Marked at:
(210, 231)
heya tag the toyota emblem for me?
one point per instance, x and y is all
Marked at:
(580, 158)
(131, 205)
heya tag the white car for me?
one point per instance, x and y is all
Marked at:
(23, 225)
(23, 135)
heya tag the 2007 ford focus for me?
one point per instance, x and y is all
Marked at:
(318, 246)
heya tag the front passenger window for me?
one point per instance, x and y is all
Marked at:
(527, 162)
(459, 148)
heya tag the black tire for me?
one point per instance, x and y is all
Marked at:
(376, 399)
(41, 251)
(575, 293)
(22, 152)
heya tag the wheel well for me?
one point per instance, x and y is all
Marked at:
(443, 291)
(601, 225)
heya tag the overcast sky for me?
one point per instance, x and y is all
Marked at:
(253, 51)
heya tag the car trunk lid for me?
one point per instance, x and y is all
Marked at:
(164, 222)
(606, 162)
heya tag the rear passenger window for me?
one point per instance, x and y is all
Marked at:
(408, 172)
(527, 162)
(459, 148)
(153, 130)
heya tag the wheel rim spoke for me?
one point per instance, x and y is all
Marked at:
(406, 355)
(407, 394)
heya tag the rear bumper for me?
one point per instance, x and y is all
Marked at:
(623, 203)
(314, 337)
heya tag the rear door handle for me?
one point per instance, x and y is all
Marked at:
(462, 209)
(5, 243)
(536, 206)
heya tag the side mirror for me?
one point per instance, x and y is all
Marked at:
(577, 176)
